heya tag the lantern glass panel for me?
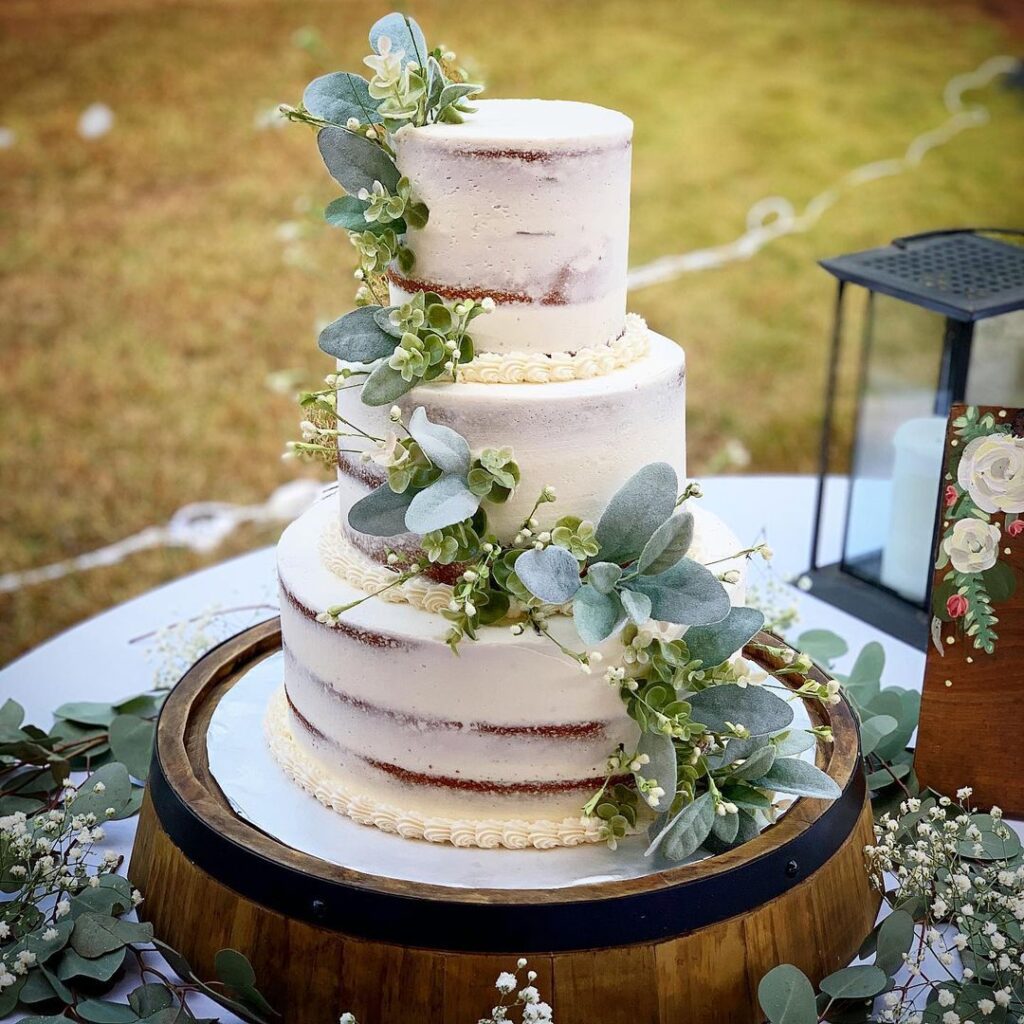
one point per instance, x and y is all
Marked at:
(996, 374)
(897, 448)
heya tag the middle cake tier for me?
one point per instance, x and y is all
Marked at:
(584, 438)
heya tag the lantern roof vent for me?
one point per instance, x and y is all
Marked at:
(966, 274)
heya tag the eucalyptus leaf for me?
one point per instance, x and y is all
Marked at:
(596, 615)
(232, 968)
(381, 513)
(145, 705)
(685, 832)
(384, 385)
(357, 337)
(101, 968)
(906, 709)
(86, 712)
(661, 767)
(104, 1011)
(455, 91)
(791, 775)
(37, 989)
(998, 841)
(9, 997)
(603, 576)
(445, 448)
(873, 730)
(347, 212)
(713, 644)
(405, 35)
(96, 934)
(895, 937)
(687, 594)
(862, 981)
(131, 740)
(637, 605)
(822, 645)
(151, 998)
(667, 545)
(445, 502)
(787, 996)
(636, 511)
(338, 96)
(757, 709)
(355, 162)
(382, 316)
(435, 82)
(552, 574)
(108, 786)
(12, 714)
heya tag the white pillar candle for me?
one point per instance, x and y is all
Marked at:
(917, 467)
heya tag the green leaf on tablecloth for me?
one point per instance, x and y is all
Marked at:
(787, 996)
(235, 971)
(87, 712)
(9, 996)
(886, 776)
(37, 989)
(895, 936)
(997, 842)
(112, 896)
(131, 740)
(96, 934)
(100, 968)
(862, 981)
(822, 645)
(103, 1011)
(109, 786)
(145, 705)
(149, 999)
(12, 714)
(873, 730)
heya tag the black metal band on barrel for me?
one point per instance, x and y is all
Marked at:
(461, 925)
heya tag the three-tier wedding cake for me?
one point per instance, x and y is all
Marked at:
(511, 466)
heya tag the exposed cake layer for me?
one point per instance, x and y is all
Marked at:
(585, 438)
(511, 730)
(529, 204)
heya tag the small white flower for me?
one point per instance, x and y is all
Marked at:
(50, 934)
(99, 788)
(521, 962)
(964, 793)
(352, 124)
(986, 1006)
(487, 304)
(946, 998)
(506, 982)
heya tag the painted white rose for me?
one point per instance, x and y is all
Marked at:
(973, 545)
(991, 470)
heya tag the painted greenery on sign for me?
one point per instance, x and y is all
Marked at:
(982, 505)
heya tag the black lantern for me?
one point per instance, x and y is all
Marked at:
(942, 321)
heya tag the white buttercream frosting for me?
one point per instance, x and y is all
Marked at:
(541, 368)
(529, 203)
(513, 834)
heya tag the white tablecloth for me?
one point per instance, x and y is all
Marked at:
(95, 661)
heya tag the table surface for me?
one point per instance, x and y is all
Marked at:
(96, 660)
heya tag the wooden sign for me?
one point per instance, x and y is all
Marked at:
(972, 712)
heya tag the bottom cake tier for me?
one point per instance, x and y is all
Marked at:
(501, 745)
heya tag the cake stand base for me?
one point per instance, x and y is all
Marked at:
(687, 943)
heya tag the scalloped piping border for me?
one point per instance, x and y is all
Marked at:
(486, 834)
(540, 368)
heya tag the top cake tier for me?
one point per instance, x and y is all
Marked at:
(529, 204)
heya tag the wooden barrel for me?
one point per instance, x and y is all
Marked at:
(687, 944)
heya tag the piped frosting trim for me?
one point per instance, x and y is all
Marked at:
(348, 563)
(542, 368)
(488, 834)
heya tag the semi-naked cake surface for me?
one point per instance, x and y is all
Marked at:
(503, 744)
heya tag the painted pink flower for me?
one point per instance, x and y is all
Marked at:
(950, 496)
(1016, 528)
(956, 605)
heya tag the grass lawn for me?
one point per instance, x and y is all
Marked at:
(152, 280)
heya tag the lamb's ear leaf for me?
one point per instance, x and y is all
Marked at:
(636, 510)
(637, 605)
(758, 709)
(552, 574)
(661, 767)
(445, 448)
(356, 337)
(355, 162)
(792, 775)
(381, 513)
(340, 95)
(686, 831)
(715, 643)
(596, 615)
(445, 502)
(687, 594)
(405, 35)
(667, 545)
(384, 385)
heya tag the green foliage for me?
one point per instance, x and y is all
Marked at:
(355, 162)
(494, 475)
(668, 544)
(635, 512)
(357, 337)
(551, 574)
(688, 594)
(787, 997)
(336, 97)
(756, 709)
(713, 644)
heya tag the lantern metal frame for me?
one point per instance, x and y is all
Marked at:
(964, 274)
